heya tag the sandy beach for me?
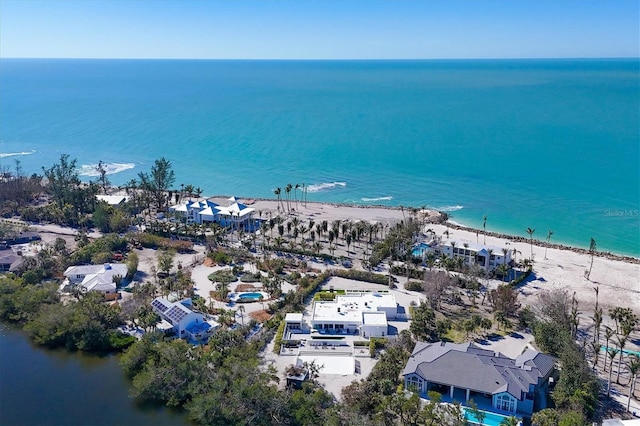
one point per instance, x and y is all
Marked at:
(618, 281)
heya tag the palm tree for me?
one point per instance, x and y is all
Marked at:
(241, 312)
(277, 192)
(612, 352)
(484, 227)
(627, 326)
(592, 252)
(287, 190)
(608, 334)
(633, 365)
(549, 234)
(295, 193)
(597, 321)
(595, 347)
(510, 421)
(530, 231)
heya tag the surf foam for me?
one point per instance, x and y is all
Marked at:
(368, 200)
(111, 168)
(448, 208)
(325, 186)
(14, 154)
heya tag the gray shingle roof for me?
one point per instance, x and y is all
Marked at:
(469, 366)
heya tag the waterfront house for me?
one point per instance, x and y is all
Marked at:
(99, 278)
(238, 216)
(495, 382)
(482, 255)
(363, 313)
(186, 323)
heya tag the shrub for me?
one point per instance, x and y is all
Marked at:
(250, 278)
(222, 275)
(413, 286)
(356, 275)
(279, 333)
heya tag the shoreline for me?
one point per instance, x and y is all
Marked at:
(442, 218)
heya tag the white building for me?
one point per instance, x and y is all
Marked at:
(236, 215)
(100, 278)
(186, 323)
(487, 257)
(365, 314)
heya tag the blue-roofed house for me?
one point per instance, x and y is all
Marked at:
(187, 324)
(495, 382)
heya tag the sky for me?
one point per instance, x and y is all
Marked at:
(328, 29)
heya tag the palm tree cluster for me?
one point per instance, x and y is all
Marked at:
(287, 192)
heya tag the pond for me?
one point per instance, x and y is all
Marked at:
(57, 387)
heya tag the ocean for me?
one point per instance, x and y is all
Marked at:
(546, 144)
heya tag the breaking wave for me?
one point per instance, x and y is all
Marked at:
(448, 208)
(368, 200)
(325, 186)
(14, 154)
(111, 168)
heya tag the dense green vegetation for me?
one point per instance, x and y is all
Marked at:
(220, 384)
(88, 324)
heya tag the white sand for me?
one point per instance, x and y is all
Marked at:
(618, 282)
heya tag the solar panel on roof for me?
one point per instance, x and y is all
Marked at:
(176, 314)
(158, 304)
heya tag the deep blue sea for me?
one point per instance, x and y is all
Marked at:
(547, 144)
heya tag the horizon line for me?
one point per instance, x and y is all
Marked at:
(327, 59)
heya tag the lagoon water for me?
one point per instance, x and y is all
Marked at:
(44, 387)
(546, 144)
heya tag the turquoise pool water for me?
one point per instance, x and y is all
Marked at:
(419, 250)
(491, 419)
(251, 296)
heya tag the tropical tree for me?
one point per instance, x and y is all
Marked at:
(530, 231)
(295, 193)
(633, 365)
(158, 182)
(278, 192)
(287, 190)
(549, 234)
(484, 227)
(612, 352)
(608, 334)
(241, 312)
(510, 421)
(592, 252)
(165, 260)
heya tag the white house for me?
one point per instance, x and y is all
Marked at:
(100, 278)
(186, 323)
(487, 257)
(365, 314)
(237, 216)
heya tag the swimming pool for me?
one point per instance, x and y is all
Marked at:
(420, 250)
(490, 419)
(250, 296)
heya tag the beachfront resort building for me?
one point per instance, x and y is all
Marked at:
(235, 216)
(486, 257)
(184, 322)
(359, 313)
(495, 382)
(98, 278)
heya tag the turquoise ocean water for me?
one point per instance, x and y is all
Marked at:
(547, 144)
